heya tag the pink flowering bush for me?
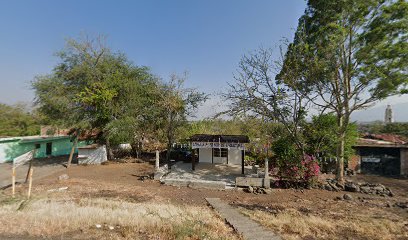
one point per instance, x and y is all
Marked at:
(291, 167)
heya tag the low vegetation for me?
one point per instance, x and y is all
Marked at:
(294, 224)
(53, 217)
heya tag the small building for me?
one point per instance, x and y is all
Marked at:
(220, 149)
(46, 146)
(92, 154)
(381, 154)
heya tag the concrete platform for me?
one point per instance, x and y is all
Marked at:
(206, 175)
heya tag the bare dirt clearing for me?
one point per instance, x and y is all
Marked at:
(318, 214)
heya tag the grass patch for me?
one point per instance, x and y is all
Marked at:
(53, 217)
(293, 224)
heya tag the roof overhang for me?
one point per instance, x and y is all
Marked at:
(219, 138)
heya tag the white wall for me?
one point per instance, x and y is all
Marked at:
(220, 160)
(234, 156)
(205, 155)
(3, 147)
(93, 155)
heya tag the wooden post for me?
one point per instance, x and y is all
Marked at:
(30, 183)
(157, 160)
(71, 154)
(30, 166)
(242, 162)
(193, 160)
(13, 181)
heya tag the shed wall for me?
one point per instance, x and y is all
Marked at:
(404, 161)
(234, 156)
(205, 155)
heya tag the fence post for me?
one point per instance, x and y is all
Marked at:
(30, 183)
(13, 181)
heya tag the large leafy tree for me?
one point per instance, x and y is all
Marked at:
(346, 55)
(94, 88)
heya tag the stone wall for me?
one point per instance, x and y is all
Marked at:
(404, 161)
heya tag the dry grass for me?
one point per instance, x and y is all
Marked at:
(292, 224)
(53, 217)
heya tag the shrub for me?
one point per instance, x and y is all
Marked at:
(293, 168)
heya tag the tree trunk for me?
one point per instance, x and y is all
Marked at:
(108, 150)
(71, 154)
(168, 151)
(340, 150)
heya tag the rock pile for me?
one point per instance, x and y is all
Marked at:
(257, 190)
(367, 188)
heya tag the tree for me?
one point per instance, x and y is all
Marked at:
(93, 88)
(16, 120)
(256, 92)
(176, 104)
(321, 136)
(346, 55)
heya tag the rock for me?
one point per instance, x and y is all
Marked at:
(250, 189)
(365, 189)
(334, 187)
(327, 187)
(378, 189)
(340, 186)
(388, 205)
(62, 189)
(351, 187)
(111, 227)
(63, 177)
(98, 225)
(347, 197)
(401, 204)
(268, 191)
(338, 198)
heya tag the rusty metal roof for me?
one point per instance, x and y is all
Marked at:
(382, 140)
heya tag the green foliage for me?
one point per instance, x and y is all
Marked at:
(390, 128)
(347, 55)
(321, 136)
(17, 121)
(93, 88)
(285, 151)
(175, 104)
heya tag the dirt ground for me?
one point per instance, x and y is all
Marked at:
(123, 181)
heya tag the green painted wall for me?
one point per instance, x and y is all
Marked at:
(60, 146)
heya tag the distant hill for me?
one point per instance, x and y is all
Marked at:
(376, 113)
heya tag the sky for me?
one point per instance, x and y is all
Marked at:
(204, 38)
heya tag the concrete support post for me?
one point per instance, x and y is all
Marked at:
(267, 181)
(157, 160)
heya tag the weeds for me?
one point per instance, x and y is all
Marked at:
(52, 217)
